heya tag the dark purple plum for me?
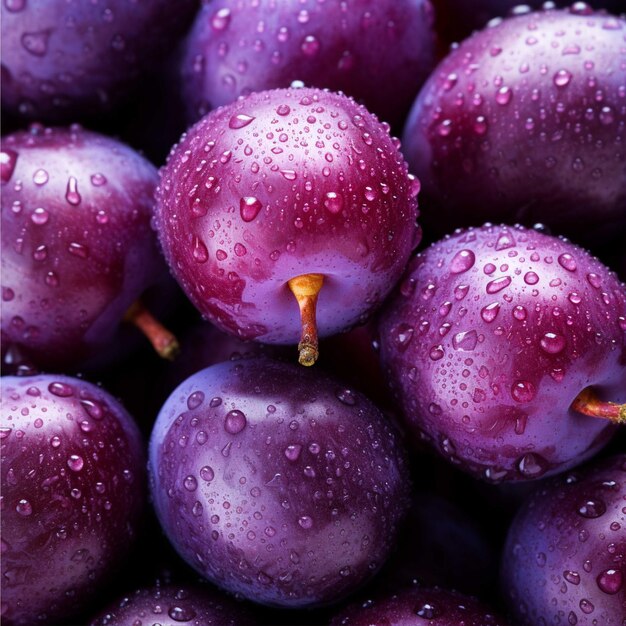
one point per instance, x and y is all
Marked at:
(277, 483)
(457, 19)
(77, 246)
(565, 557)
(72, 491)
(287, 193)
(496, 335)
(378, 51)
(419, 606)
(172, 605)
(525, 122)
(69, 60)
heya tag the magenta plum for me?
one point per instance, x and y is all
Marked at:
(77, 245)
(419, 606)
(277, 483)
(72, 491)
(367, 49)
(494, 333)
(524, 122)
(287, 193)
(68, 60)
(565, 557)
(172, 605)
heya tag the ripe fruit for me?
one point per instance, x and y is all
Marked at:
(276, 483)
(77, 246)
(287, 192)
(494, 334)
(525, 122)
(565, 557)
(419, 606)
(171, 605)
(66, 59)
(72, 489)
(368, 49)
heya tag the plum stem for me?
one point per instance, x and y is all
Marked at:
(306, 289)
(162, 340)
(588, 403)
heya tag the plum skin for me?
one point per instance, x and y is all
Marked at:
(276, 483)
(366, 49)
(77, 244)
(565, 554)
(524, 122)
(491, 337)
(73, 487)
(276, 185)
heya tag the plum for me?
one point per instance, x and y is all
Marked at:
(73, 487)
(498, 338)
(565, 557)
(419, 606)
(172, 605)
(284, 193)
(369, 49)
(77, 246)
(525, 122)
(277, 483)
(64, 60)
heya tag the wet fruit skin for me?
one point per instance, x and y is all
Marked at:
(280, 184)
(565, 557)
(68, 60)
(171, 605)
(77, 245)
(73, 487)
(524, 122)
(491, 336)
(276, 482)
(419, 606)
(367, 49)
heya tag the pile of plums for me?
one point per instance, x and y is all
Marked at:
(264, 363)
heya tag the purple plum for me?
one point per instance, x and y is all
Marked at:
(277, 483)
(368, 49)
(565, 557)
(283, 198)
(525, 122)
(77, 246)
(64, 60)
(72, 491)
(497, 341)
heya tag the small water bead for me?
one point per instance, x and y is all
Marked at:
(235, 422)
(436, 353)
(62, 390)
(24, 508)
(462, 261)
(207, 474)
(72, 195)
(572, 577)
(586, 606)
(523, 391)
(531, 278)
(195, 400)
(40, 216)
(283, 109)
(220, 19)
(532, 465)
(97, 179)
(465, 341)
(292, 451)
(249, 208)
(480, 125)
(592, 508)
(40, 177)
(333, 202)
(504, 95)
(78, 250)
(190, 483)
(181, 613)
(428, 610)
(490, 312)
(574, 298)
(498, 284)
(305, 522)
(402, 335)
(346, 396)
(552, 343)
(610, 581)
(562, 78)
(310, 45)
(568, 262)
(241, 120)
(460, 291)
(520, 313)
(75, 462)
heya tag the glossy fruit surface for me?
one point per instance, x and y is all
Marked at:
(280, 184)
(419, 606)
(172, 605)
(77, 246)
(524, 122)
(364, 48)
(68, 59)
(493, 334)
(565, 558)
(276, 482)
(72, 490)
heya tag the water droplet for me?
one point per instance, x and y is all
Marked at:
(568, 262)
(240, 120)
(195, 400)
(8, 160)
(465, 341)
(283, 109)
(428, 610)
(523, 391)
(592, 508)
(462, 261)
(436, 353)
(97, 180)
(552, 343)
(15, 6)
(190, 483)
(310, 46)
(333, 202)
(586, 606)
(220, 19)
(504, 95)
(24, 508)
(181, 613)
(562, 78)
(62, 390)
(292, 451)
(305, 522)
(249, 208)
(490, 312)
(532, 465)
(610, 581)
(289, 174)
(71, 192)
(199, 250)
(572, 577)
(40, 216)
(207, 473)
(75, 462)
(531, 278)
(346, 396)
(78, 250)
(498, 284)
(402, 335)
(40, 177)
(234, 422)
(36, 43)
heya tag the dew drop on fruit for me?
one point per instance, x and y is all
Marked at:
(498, 284)
(40, 216)
(310, 46)
(333, 202)
(428, 610)
(572, 577)
(586, 606)
(531, 278)
(532, 465)
(465, 341)
(97, 180)
(402, 335)
(436, 353)
(567, 262)
(462, 261)
(40, 177)
(346, 396)
(71, 192)
(292, 451)
(199, 250)
(8, 160)
(62, 390)
(504, 95)
(552, 343)
(220, 19)
(195, 400)
(78, 250)
(181, 614)
(523, 391)
(283, 109)
(562, 78)
(249, 208)
(207, 474)
(24, 508)
(592, 508)
(305, 522)
(234, 422)
(610, 581)
(241, 120)
(490, 312)
(36, 43)
(190, 483)
(75, 462)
